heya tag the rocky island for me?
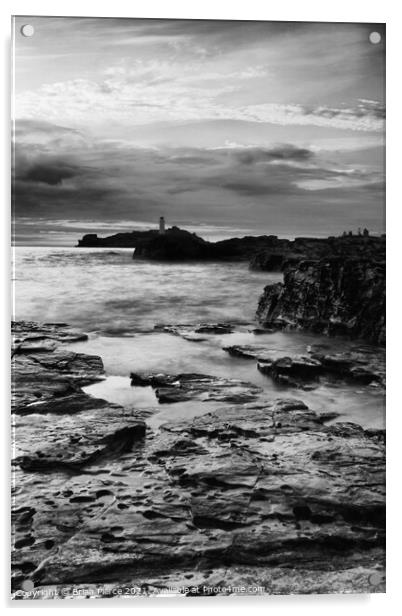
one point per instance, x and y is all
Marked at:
(119, 240)
(264, 252)
(177, 244)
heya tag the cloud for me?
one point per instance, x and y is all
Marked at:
(251, 189)
(114, 181)
(181, 70)
(36, 128)
(248, 156)
(211, 121)
(52, 173)
(117, 178)
(368, 109)
(140, 97)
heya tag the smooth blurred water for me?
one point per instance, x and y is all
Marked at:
(118, 301)
(106, 291)
(160, 352)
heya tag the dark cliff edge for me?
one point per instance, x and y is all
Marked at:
(338, 295)
(283, 253)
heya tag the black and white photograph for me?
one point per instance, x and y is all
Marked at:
(198, 319)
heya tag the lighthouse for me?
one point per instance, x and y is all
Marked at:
(161, 225)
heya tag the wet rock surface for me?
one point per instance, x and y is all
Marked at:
(336, 295)
(198, 332)
(257, 494)
(44, 372)
(25, 332)
(202, 387)
(365, 365)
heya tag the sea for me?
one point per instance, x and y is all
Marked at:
(118, 302)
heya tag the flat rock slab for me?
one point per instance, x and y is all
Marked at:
(248, 351)
(59, 432)
(254, 420)
(248, 489)
(43, 370)
(189, 386)
(30, 332)
(362, 365)
(71, 441)
(202, 332)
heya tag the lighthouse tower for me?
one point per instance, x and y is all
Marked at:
(161, 225)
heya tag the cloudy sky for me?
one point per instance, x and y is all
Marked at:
(223, 127)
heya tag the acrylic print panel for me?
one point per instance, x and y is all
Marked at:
(199, 326)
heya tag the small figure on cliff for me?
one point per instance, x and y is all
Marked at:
(366, 232)
(161, 225)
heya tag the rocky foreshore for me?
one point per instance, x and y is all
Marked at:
(260, 494)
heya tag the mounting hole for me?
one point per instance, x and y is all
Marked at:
(27, 585)
(27, 30)
(375, 38)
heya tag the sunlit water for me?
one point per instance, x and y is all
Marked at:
(118, 301)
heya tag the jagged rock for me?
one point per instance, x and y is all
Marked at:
(332, 296)
(280, 261)
(189, 386)
(283, 254)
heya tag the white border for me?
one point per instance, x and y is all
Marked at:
(302, 10)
